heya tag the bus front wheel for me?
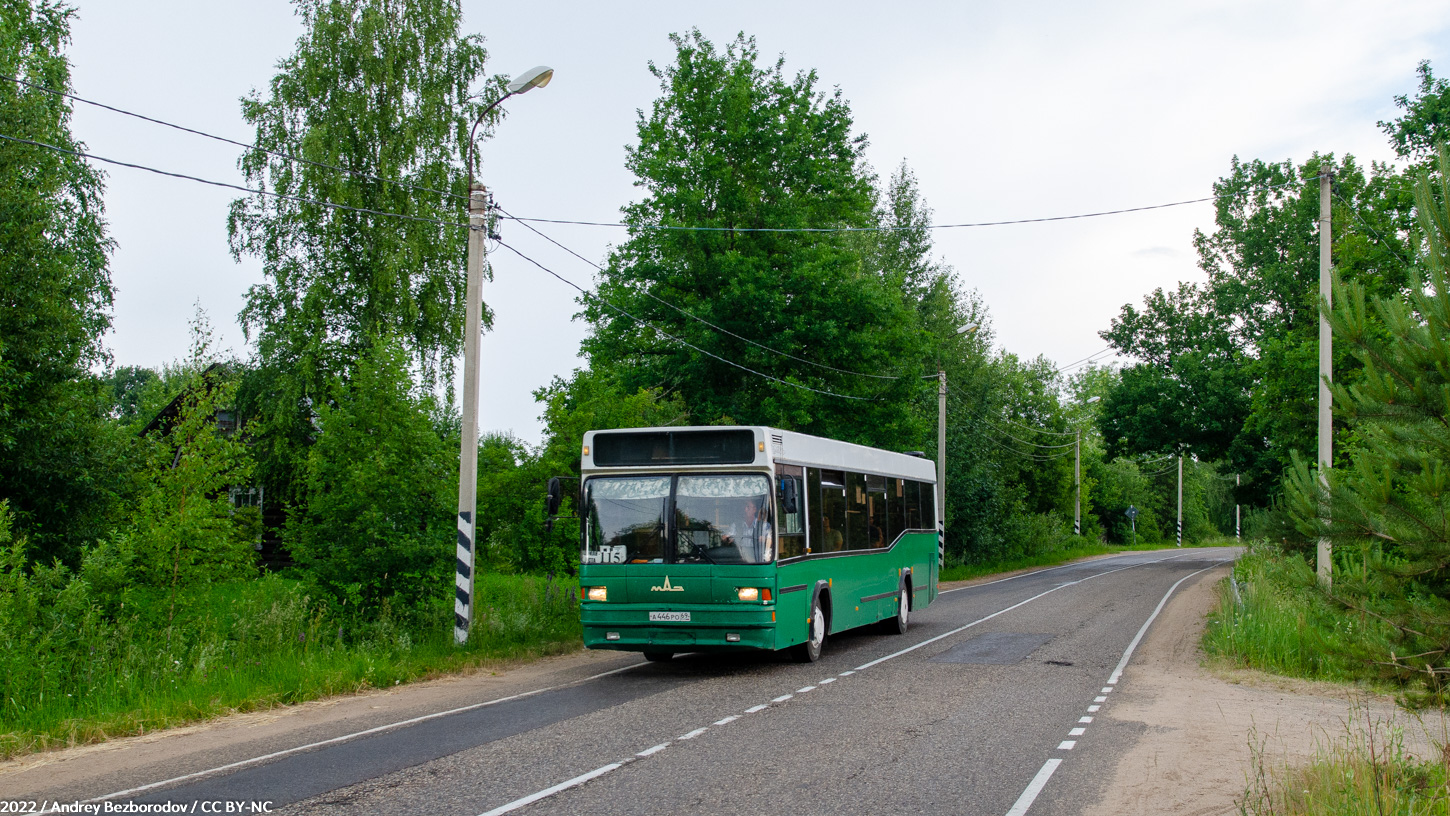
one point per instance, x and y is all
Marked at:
(897, 625)
(810, 651)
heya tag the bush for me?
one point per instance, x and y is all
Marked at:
(377, 526)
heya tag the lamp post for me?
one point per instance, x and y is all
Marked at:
(941, 453)
(1077, 473)
(473, 318)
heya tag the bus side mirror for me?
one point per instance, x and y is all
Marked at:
(790, 501)
(556, 494)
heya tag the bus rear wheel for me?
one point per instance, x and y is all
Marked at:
(659, 657)
(810, 651)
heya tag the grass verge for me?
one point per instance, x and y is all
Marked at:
(1366, 771)
(1272, 617)
(247, 646)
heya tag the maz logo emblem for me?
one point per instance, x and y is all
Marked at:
(667, 587)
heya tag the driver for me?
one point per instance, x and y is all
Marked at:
(752, 531)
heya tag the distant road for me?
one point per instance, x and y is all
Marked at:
(987, 705)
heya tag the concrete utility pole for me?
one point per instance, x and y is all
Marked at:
(536, 77)
(1326, 373)
(1180, 500)
(941, 467)
(1077, 480)
(1236, 508)
(468, 447)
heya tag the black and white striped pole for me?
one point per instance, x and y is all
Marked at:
(468, 446)
(1180, 500)
(472, 330)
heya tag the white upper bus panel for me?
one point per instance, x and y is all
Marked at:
(757, 447)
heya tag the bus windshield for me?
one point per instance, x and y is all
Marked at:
(718, 519)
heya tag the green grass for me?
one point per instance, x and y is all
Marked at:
(1367, 771)
(85, 676)
(1272, 617)
(964, 572)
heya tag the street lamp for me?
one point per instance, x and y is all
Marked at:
(941, 453)
(1077, 472)
(473, 317)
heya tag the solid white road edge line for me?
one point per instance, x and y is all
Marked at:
(345, 737)
(1050, 569)
(1040, 781)
(1128, 655)
(1023, 802)
(930, 641)
(1034, 787)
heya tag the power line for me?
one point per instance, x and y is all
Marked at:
(693, 316)
(297, 199)
(1383, 240)
(248, 146)
(671, 227)
(664, 333)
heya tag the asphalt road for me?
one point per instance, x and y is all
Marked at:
(990, 704)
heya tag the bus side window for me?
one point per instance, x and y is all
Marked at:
(913, 506)
(858, 537)
(876, 512)
(896, 510)
(791, 531)
(928, 506)
(814, 535)
(833, 512)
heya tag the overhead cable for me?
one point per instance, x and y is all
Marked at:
(686, 343)
(297, 199)
(674, 227)
(696, 317)
(248, 146)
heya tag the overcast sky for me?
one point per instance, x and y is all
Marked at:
(1003, 111)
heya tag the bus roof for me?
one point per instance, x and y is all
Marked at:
(770, 446)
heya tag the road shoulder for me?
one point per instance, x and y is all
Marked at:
(1200, 725)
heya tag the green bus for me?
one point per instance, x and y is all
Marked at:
(728, 538)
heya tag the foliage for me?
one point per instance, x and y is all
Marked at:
(1425, 123)
(1228, 365)
(382, 90)
(79, 668)
(1391, 501)
(57, 456)
(1272, 618)
(376, 526)
(732, 146)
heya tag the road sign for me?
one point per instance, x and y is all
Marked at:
(1132, 512)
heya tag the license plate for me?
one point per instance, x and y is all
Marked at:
(673, 617)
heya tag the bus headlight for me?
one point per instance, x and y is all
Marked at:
(748, 593)
(598, 593)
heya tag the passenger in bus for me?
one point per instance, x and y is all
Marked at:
(832, 539)
(752, 534)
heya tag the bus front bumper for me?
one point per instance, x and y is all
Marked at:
(710, 628)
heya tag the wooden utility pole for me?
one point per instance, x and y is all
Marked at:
(1326, 374)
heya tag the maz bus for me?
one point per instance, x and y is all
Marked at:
(720, 538)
